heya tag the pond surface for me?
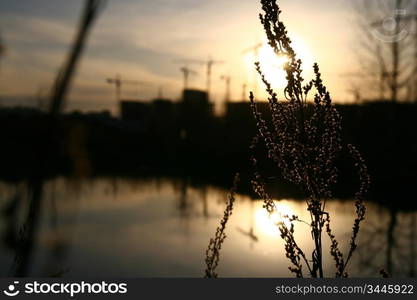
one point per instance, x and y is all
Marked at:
(160, 227)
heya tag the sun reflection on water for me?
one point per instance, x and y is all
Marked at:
(267, 223)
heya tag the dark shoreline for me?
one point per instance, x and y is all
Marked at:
(96, 145)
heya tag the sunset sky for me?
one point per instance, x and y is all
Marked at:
(141, 40)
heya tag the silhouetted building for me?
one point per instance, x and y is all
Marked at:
(135, 110)
(195, 105)
(195, 96)
(163, 109)
(239, 111)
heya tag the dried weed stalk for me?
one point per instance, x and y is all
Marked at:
(304, 141)
(213, 249)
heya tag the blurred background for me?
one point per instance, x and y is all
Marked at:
(123, 123)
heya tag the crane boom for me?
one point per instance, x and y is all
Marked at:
(118, 82)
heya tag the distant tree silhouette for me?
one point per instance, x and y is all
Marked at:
(387, 54)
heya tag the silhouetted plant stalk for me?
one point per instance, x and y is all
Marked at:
(304, 141)
(66, 73)
(213, 250)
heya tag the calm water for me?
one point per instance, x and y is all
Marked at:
(161, 227)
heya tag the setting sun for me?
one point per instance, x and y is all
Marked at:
(273, 65)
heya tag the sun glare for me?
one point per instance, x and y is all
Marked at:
(272, 65)
(267, 223)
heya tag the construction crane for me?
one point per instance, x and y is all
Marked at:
(209, 63)
(118, 82)
(187, 72)
(253, 49)
(255, 52)
(227, 93)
